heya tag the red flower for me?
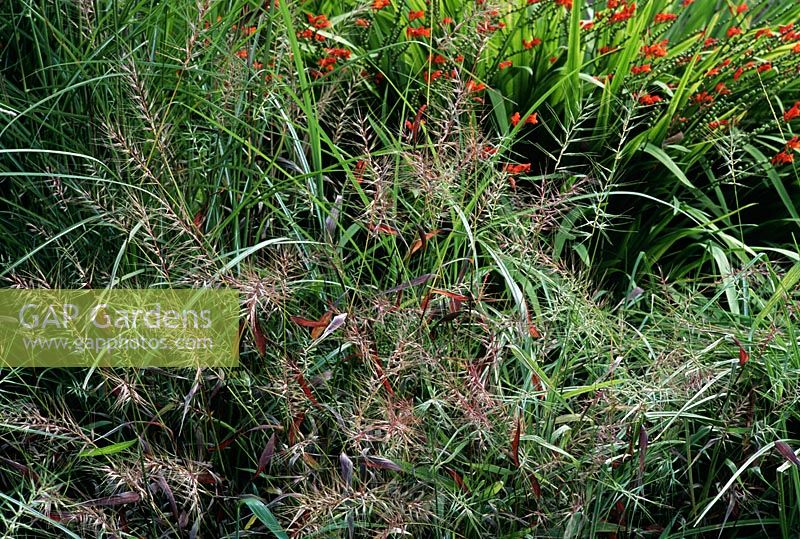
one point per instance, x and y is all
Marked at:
(505, 64)
(529, 44)
(783, 158)
(703, 98)
(717, 124)
(414, 15)
(433, 75)
(656, 50)
(664, 17)
(318, 21)
(418, 32)
(438, 59)
(710, 43)
(733, 31)
(515, 119)
(687, 3)
(338, 53)
(363, 23)
(792, 113)
(741, 8)
(763, 32)
(605, 49)
(380, 4)
(722, 89)
(624, 14)
(566, 3)
(533, 119)
(447, 20)
(474, 86)
(647, 99)
(793, 144)
(764, 67)
(796, 48)
(786, 28)
(587, 25)
(644, 68)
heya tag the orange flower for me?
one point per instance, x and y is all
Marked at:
(645, 68)
(624, 14)
(515, 118)
(763, 32)
(318, 21)
(338, 53)
(733, 31)
(792, 113)
(518, 169)
(505, 64)
(664, 17)
(474, 86)
(447, 20)
(793, 144)
(717, 124)
(647, 99)
(533, 119)
(363, 23)
(529, 44)
(796, 48)
(703, 98)
(418, 32)
(433, 75)
(783, 158)
(380, 4)
(741, 8)
(242, 54)
(656, 50)
(414, 15)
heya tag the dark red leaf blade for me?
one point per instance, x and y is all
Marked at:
(787, 452)
(515, 444)
(266, 456)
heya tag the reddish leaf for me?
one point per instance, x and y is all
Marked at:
(358, 171)
(379, 368)
(305, 387)
(383, 229)
(258, 334)
(425, 301)
(643, 441)
(787, 452)
(515, 443)
(451, 295)
(266, 456)
(416, 281)
(199, 217)
(421, 242)
(382, 464)
(532, 330)
(119, 499)
(457, 478)
(306, 323)
(294, 429)
(323, 323)
(535, 486)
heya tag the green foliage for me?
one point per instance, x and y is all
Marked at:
(542, 313)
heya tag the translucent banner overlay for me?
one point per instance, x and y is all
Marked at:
(119, 328)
